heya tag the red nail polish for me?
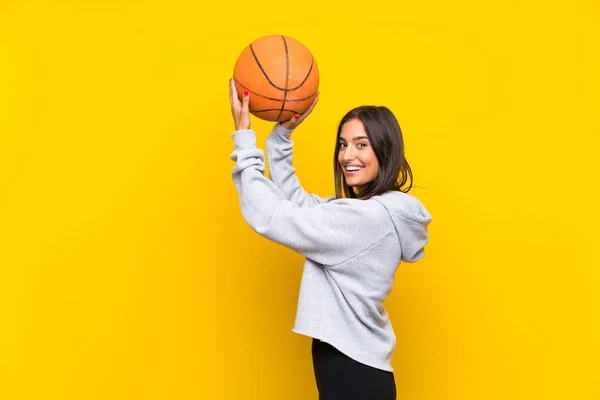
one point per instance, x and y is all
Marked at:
(245, 93)
(296, 116)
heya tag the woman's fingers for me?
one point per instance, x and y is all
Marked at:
(233, 97)
(245, 101)
(244, 112)
(297, 119)
(310, 108)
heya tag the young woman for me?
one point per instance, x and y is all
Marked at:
(353, 242)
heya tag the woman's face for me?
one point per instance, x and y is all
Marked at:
(356, 156)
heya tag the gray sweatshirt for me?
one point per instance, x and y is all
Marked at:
(352, 247)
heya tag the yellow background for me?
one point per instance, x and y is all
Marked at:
(127, 271)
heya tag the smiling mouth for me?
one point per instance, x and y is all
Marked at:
(353, 169)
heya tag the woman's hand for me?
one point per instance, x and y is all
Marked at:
(240, 113)
(297, 119)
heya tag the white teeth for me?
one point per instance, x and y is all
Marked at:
(353, 168)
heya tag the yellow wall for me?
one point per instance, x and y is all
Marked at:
(127, 271)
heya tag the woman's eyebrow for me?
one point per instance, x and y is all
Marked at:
(355, 139)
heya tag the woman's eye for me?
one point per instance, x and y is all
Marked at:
(342, 145)
(362, 145)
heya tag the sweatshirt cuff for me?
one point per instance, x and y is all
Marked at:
(279, 134)
(244, 139)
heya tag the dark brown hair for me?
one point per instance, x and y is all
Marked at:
(385, 137)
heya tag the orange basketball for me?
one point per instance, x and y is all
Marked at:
(280, 74)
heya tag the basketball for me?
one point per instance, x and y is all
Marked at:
(281, 75)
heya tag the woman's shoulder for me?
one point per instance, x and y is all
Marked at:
(390, 197)
(404, 204)
(370, 210)
(399, 197)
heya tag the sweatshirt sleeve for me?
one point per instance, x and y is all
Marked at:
(328, 233)
(282, 173)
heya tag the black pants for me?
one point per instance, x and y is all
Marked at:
(341, 378)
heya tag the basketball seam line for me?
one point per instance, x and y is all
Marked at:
(287, 76)
(312, 61)
(274, 109)
(262, 69)
(272, 98)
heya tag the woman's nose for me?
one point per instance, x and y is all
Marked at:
(348, 154)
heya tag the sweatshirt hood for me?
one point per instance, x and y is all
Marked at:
(411, 219)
